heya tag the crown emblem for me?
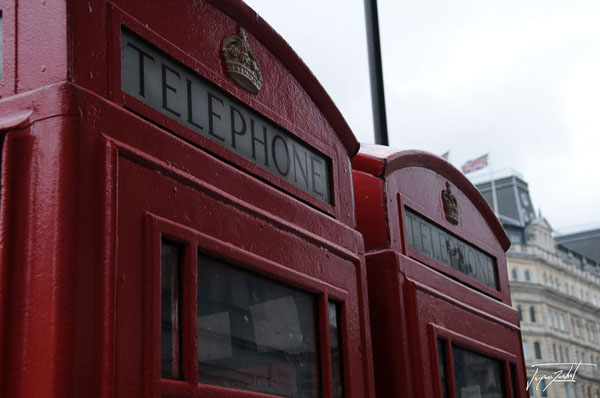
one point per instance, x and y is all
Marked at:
(240, 62)
(450, 205)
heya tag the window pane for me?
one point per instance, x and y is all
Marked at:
(513, 380)
(443, 371)
(255, 334)
(544, 392)
(170, 310)
(477, 375)
(538, 350)
(335, 341)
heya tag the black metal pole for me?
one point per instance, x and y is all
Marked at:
(376, 73)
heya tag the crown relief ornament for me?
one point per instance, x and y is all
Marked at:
(240, 62)
(450, 205)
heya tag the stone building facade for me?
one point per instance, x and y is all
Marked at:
(557, 293)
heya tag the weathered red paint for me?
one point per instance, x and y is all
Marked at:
(91, 177)
(413, 299)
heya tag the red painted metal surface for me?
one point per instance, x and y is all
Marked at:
(91, 178)
(415, 300)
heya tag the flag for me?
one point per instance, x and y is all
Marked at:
(445, 155)
(475, 164)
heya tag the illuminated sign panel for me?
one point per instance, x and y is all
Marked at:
(430, 240)
(173, 89)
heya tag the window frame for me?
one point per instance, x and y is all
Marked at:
(451, 338)
(192, 243)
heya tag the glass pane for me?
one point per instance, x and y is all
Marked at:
(444, 247)
(443, 371)
(476, 375)
(170, 310)
(335, 344)
(513, 380)
(255, 334)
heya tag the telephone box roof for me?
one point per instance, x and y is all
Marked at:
(251, 21)
(382, 161)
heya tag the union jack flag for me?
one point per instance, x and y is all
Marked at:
(475, 164)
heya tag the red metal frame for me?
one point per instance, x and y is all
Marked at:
(8, 83)
(118, 20)
(194, 241)
(90, 176)
(473, 344)
(158, 226)
(415, 179)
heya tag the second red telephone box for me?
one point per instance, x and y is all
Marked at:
(439, 299)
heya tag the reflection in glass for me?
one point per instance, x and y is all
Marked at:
(255, 334)
(477, 376)
(170, 297)
(443, 372)
(335, 344)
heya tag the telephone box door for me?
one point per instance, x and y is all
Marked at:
(213, 297)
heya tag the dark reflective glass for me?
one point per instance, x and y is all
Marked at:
(513, 380)
(443, 371)
(170, 310)
(335, 345)
(476, 375)
(255, 334)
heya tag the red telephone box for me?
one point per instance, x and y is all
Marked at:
(441, 320)
(176, 208)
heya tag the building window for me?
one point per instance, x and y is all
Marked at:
(560, 349)
(520, 309)
(525, 350)
(515, 274)
(527, 276)
(532, 314)
(551, 318)
(587, 332)
(531, 387)
(538, 350)
(554, 352)
(543, 391)
(562, 322)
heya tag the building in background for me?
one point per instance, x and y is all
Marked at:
(586, 242)
(555, 286)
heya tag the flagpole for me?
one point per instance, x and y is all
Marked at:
(494, 198)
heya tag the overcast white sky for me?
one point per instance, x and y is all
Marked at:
(518, 79)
